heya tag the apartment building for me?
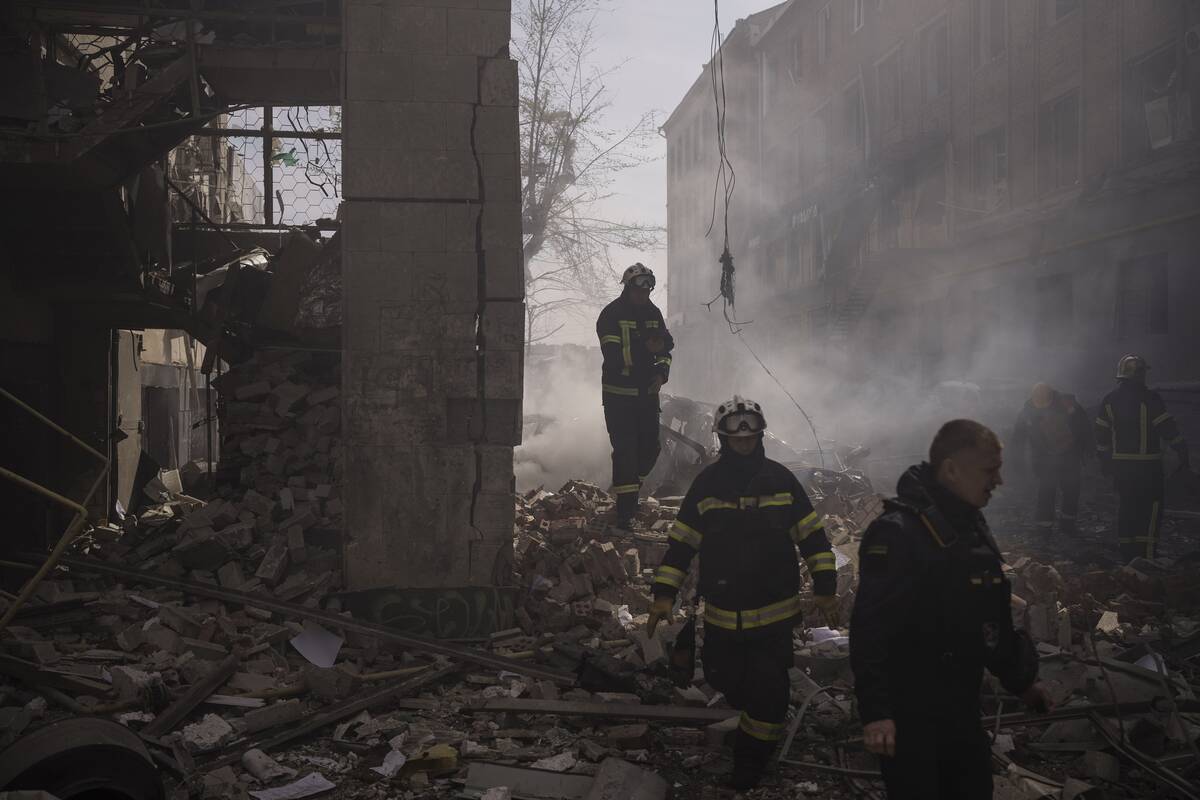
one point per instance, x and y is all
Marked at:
(999, 191)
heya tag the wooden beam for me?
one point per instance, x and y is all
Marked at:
(680, 715)
(196, 694)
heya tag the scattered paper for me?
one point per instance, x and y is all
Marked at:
(1153, 662)
(393, 762)
(309, 785)
(318, 645)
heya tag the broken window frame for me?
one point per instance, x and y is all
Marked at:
(1143, 296)
(935, 59)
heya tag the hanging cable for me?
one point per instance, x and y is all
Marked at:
(726, 180)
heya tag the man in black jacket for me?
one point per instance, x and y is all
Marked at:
(745, 515)
(1058, 434)
(637, 348)
(1133, 420)
(933, 610)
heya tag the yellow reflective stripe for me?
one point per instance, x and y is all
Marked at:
(682, 532)
(621, 390)
(709, 503)
(877, 550)
(754, 617)
(1142, 422)
(651, 323)
(1163, 417)
(821, 562)
(669, 576)
(626, 488)
(764, 731)
(802, 529)
(1137, 456)
(1176, 440)
(1153, 532)
(780, 499)
(1103, 423)
(1112, 419)
(626, 326)
(665, 360)
(610, 339)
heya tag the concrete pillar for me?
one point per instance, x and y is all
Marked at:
(434, 297)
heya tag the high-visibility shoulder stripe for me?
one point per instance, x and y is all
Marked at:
(807, 527)
(626, 488)
(651, 323)
(669, 576)
(710, 503)
(610, 339)
(682, 532)
(1161, 418)
(1103, 423)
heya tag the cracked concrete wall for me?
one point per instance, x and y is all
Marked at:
(434, 296)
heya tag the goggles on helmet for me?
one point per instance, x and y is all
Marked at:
(643, 281)
(743, 423)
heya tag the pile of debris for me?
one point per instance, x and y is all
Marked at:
(274, 526)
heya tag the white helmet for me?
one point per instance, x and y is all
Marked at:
(636, 272)
(739, 417)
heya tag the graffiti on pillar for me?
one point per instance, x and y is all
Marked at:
(471, 612)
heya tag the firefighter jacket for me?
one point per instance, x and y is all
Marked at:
(744, 516)
(629, 368)
(933, 609)
(1060, 432)
(1131, 423)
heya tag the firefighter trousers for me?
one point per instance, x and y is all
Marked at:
(753, 675)
(1140, 488)
(1055, 475)
(937, 760)
(632, 424)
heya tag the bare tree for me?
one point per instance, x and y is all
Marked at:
(569, 158)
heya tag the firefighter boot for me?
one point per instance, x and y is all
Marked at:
(750, 758)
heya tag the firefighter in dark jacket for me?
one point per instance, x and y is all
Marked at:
(637, 348)
(1057, 432)
(745, 515)
(933, 609)
(1131, 422)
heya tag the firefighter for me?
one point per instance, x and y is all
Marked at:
(637, 348)
(745, 515)
(1131, 422)
(933, 609)
(1056, 430)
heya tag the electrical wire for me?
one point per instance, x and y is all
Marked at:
(726, 179)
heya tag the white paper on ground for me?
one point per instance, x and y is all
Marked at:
(310, 784)
(392, 763)
(318, 645)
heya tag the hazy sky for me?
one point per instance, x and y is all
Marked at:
(664, 44)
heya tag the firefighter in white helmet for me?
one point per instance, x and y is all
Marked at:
(637, 348)
(745, 515)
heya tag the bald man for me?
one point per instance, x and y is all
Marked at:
(933, 610)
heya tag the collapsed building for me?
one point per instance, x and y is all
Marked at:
(263, 346)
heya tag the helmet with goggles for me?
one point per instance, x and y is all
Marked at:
(639, 275)
(739, 417)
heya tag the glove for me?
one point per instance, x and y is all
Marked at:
(830, 609)
(659, 611)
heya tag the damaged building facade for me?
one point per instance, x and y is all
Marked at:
(946, 191)
(313, 210)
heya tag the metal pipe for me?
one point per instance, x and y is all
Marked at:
(51, 561)
(52, 424)
(42, 490)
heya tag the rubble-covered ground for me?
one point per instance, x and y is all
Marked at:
(234, 698)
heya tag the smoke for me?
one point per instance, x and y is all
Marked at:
(565, 437)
